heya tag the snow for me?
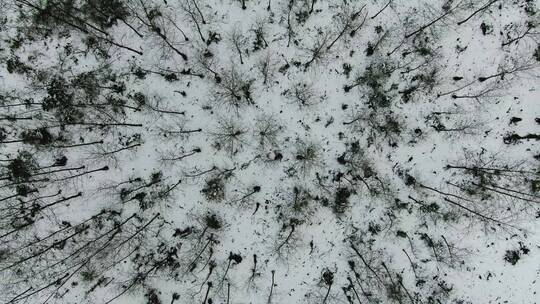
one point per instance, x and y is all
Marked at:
(259, 222)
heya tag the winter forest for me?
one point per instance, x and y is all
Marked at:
(269, 151)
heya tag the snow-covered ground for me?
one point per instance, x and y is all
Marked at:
(291, 151)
